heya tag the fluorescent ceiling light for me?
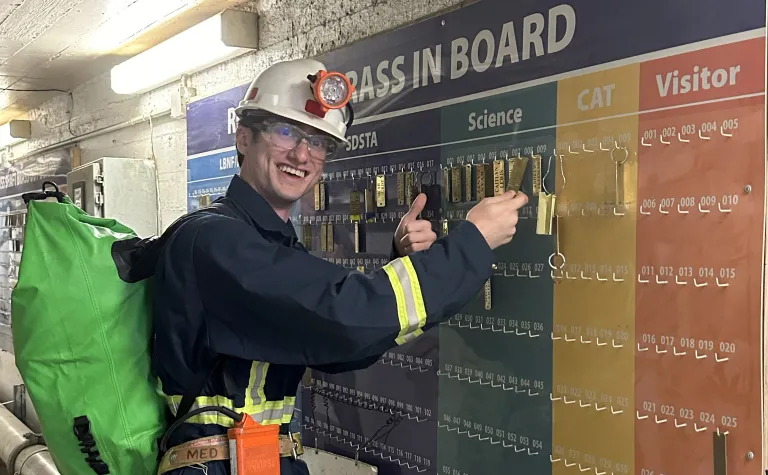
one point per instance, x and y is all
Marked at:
(216, 39)
(125, 23)
(14, 132)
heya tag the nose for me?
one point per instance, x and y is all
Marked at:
(300, 152)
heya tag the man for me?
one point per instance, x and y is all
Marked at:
(242, 309)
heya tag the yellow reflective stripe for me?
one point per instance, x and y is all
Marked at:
(402, 312)
(411, 311)
(256, 405)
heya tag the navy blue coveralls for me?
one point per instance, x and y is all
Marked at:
(242, 285)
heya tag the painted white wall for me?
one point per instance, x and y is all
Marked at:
(288, 29)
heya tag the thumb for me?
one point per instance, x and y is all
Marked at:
(416, 208)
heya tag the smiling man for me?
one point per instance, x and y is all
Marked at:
(241, 307)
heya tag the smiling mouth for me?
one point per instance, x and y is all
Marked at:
(292, 171)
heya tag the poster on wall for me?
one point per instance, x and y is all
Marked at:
(621, 331)
(16, 178)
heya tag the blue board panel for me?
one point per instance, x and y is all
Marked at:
(473, 396)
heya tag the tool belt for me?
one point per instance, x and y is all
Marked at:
(216, 448)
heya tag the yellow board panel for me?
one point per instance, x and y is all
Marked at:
(593, 337)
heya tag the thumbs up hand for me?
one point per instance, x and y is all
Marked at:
(412, 234)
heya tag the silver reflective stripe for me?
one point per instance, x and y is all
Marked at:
(410, 299)
(274, 414)
(259, 373)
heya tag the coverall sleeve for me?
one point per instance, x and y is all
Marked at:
(268, 302)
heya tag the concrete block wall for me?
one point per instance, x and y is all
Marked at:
(288, 29)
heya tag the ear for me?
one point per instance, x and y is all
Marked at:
(243, 139)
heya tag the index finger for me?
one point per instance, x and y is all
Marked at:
(519, 200)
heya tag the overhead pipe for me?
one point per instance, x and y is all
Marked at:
(20, 448)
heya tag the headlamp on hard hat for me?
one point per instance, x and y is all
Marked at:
(332, 90)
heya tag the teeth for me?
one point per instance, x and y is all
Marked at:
(292, 171)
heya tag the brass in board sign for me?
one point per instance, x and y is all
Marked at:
(468, 184)
(323, 237)
(456, 184)
(536, 172)
(517, 168)
(400, 188)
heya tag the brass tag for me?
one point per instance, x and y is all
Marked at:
(329, 236)
(445, 227)
(468, 185)
(498, 177)
(355, 205)
(536, 174)
(370, 205)
(487, 294)
(381, 191)
(361, 269)
(308, 236)
(401, 188)
(456, 184)
(317, 196)
(517, 168)
(619, 184)
(322, 195)
(323, 237)
(446, 183)
(408, 187)
(544, 218)
(357, 237)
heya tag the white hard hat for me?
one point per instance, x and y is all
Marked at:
(287, 89)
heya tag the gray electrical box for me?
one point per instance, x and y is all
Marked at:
(124, 189)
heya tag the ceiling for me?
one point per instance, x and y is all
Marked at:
(48, 47)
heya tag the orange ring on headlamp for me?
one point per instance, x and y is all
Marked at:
(323, 76)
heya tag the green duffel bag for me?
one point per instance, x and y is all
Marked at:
(82, 337)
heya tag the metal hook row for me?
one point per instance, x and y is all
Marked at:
(584, 148)
(401, 365)
(581, 339)
(600, 278)
(678, 425)
(583, 405)
(686, 211)
(491, 440)
(582, 468)
(480, 382)
(684, 140)
(492, 328)
(678, 281)
(605, 210)
(698, 356)
(516, 273)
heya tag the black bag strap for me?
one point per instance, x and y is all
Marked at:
(201, 378)
(197, 386)
(45, 194)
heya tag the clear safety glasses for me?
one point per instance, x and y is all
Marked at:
(287, 137)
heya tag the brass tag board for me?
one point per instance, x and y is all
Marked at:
(536, 171)
(517, 168)
(487, 294)
(468, 185)
(329, 235)
(498, 177)
(317, 196)
(401, 188)
(409, 179)
(456, 184)
(355, 205)
(322, 195)
(544, 218)
(323, 237)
